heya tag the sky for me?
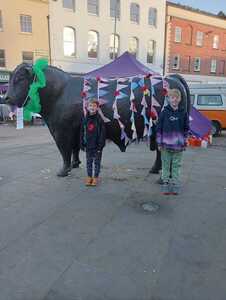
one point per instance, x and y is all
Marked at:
(213, 6)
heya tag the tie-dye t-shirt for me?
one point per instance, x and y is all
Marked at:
(172, 129)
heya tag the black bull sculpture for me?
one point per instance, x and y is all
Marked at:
(62, 109)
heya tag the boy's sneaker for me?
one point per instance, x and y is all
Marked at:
(88, 181)
(175, 189)
(165, 188)
(94, 181)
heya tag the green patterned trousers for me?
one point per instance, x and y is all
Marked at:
(171, 165)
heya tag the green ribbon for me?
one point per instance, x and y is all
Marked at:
(33, 105)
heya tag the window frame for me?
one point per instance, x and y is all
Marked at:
(25, 24)
(118, 52)
(74, 42)
(137, 40)
(198, 39)
(68, 8)
(97, 8)
(3, 59)
(152, 9)
(98, 44)
(216, 43)
(213, 71)
(1, 21)
(178, 66)
(154, 51)
(118, 12)
(216, 95)
(28, 61)
(199, 60)
(134, 4)
(175, 34)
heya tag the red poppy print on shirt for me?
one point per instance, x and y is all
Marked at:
(91, 127)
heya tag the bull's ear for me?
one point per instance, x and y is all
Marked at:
(29, 70)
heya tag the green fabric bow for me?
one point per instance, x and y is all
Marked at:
(33, 105)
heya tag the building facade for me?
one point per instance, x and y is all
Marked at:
(195, 44)
(23, 33)
(83, 32)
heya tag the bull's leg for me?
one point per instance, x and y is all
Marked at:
(65, 147)
(75, 150)
(157, 165)
(75, 158)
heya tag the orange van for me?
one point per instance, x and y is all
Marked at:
(210, 100)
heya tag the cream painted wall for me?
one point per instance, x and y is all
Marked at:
(104, 24)
(12, 40)
(195, 16)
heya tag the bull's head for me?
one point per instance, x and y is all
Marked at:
(19, 83)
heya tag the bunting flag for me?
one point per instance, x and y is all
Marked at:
(150, 127)
(141, 82)
(155, 102)
(143, 113)
(123, 133)
(145, 131)
(102, 93)
(155, 80)
(105, 119)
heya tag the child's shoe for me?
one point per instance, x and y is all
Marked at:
(94, 181)
(165, 188)
(88, 181)
(175, 189)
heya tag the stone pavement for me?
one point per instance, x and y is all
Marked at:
(60, 240)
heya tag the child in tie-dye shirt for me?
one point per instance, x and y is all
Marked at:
(172, 131)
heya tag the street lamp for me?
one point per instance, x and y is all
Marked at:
(115, 24)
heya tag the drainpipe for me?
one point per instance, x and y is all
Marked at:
(49, 40)
(165, 41)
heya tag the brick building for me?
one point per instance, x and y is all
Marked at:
(195, 43)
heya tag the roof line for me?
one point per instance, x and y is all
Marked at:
(220, 16)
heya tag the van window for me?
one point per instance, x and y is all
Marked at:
(210, 100)
(192, 97)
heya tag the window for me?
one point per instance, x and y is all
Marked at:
(27, 57)
(197, 64)
(135, 13)
(133, 46)
(210, 100)
(114, 45)
(93, 7)
(199, 38)
(115, 8)
(69, 41)
(178, 34)
(216, 42)
(25, 23)
(70, 4)
(192, 98)
(93, 44)
(176, 62)
(1, 23)
(151, 51)
(213, 67)
(152, 16)
(2, 58)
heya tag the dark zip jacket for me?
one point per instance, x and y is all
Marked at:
(172, 129)
(92, 136)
